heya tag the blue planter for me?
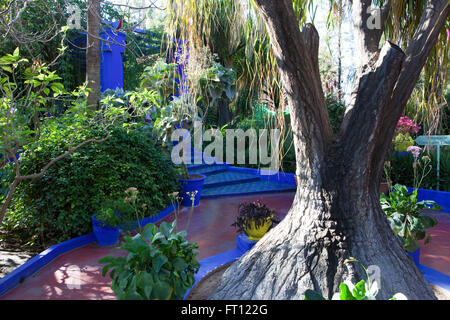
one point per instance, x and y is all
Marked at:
(187, 186)
(105, 235)
(243, 243)
(415, 256)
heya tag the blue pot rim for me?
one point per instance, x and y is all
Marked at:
(193, 180)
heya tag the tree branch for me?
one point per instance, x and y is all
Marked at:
(372, 98)
(369, 27)
(299, 70)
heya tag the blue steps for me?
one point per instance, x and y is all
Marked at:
(209, 169)
(223, 180)
(196, 166)
(229, 178)
(246, 188)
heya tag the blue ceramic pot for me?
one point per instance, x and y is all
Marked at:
(189, 186)
(105, 235)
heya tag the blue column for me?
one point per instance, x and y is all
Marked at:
(111, 68)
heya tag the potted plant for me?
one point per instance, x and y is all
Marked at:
(106, 224)
(403, 212)
(254, 219)
(179, 114)
(160, 265)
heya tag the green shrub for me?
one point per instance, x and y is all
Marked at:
(58, 206)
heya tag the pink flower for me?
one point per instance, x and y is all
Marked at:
(406, 125)
(414, 150)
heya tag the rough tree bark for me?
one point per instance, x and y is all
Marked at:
(336, 212)
(223, 113)
(93, 54)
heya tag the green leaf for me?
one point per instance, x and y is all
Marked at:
(149, 231)
(359, 292)
(179, 264)
(346, 294)
(158, 262)
(313, 295)
(161, 290)
(166, 229)
(7, 68)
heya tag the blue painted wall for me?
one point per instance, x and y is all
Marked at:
(112, 50)
(111, 69)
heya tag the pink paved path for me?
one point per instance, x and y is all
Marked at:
(77, 274)
(210, 227)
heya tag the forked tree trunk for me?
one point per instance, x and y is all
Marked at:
(336, 212)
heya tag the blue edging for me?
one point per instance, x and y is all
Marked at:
(29, 268)
(440, 279)
(209, 264)
(442, 198)
(287, 179)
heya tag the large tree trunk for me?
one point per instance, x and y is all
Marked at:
(336, 212)
(93, 54)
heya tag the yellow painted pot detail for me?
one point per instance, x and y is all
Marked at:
(257, 233)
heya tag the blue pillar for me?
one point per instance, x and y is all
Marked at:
(177, 57)
(111, 69)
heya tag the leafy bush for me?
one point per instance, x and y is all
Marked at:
(161, 77)
(58, 206)
(262, 119)
(159, 265)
